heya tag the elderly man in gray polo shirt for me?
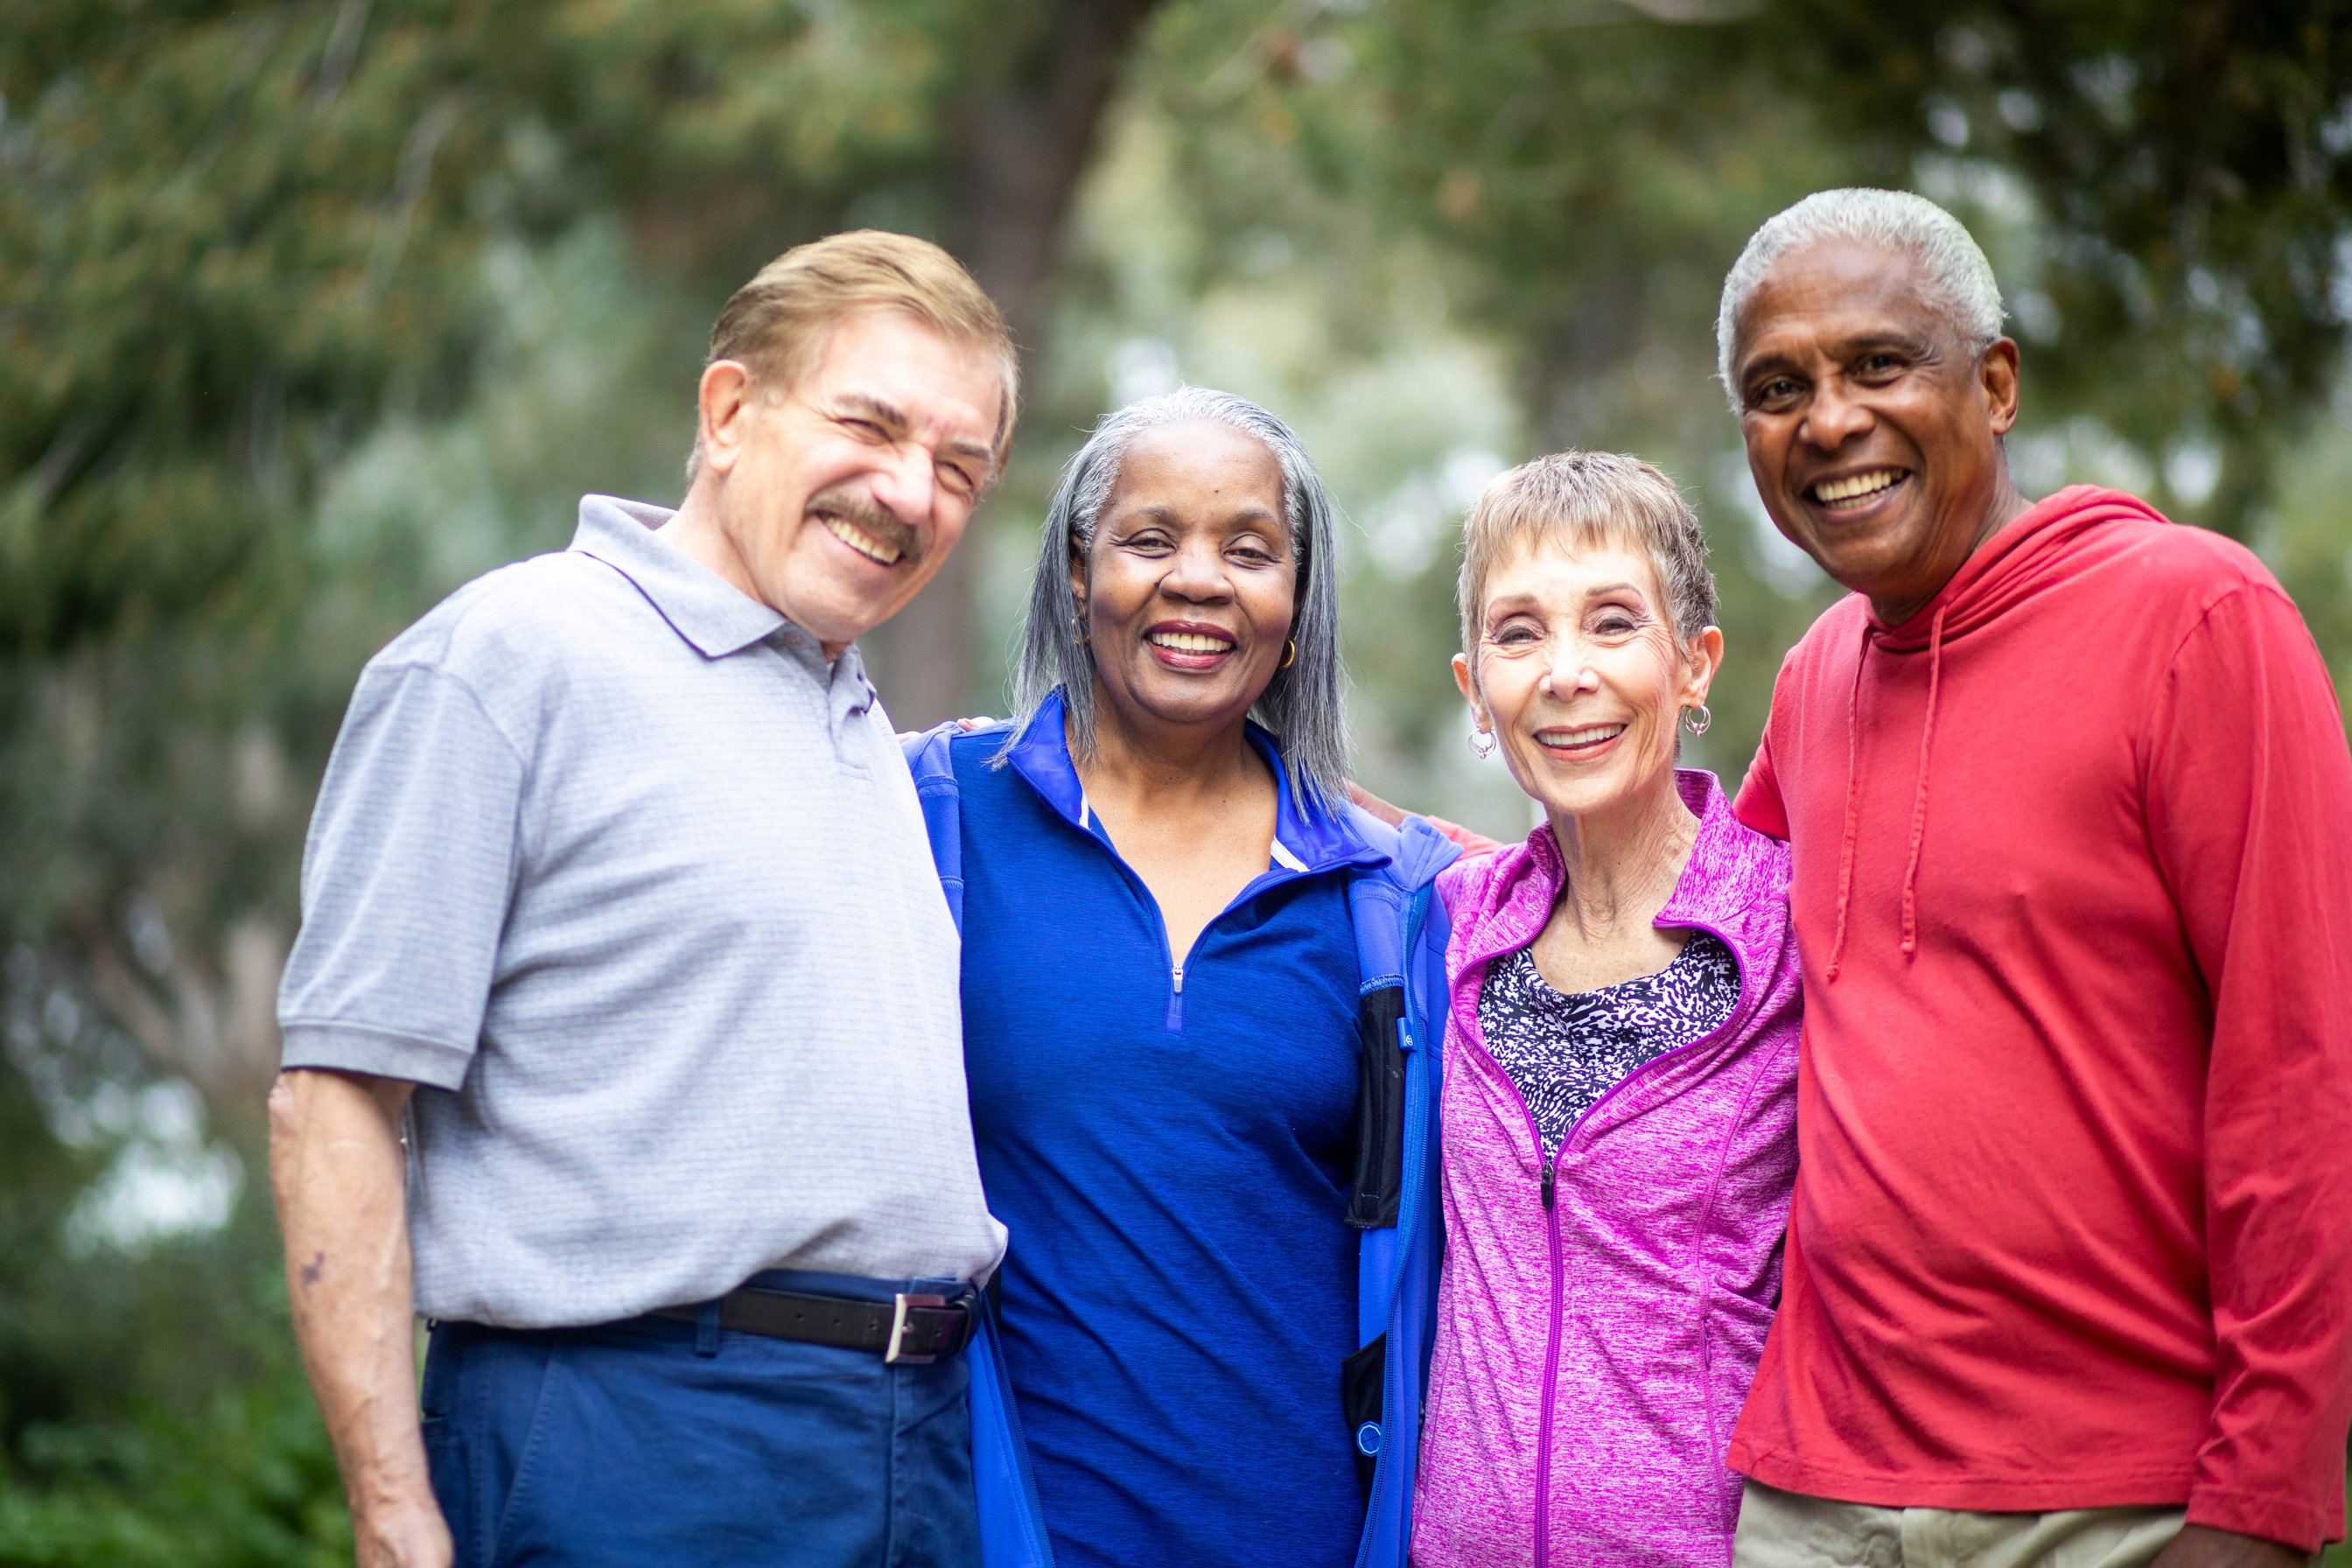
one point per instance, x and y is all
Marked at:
(617, 908)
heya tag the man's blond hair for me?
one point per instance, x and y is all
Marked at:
(776, 324)
(1581, 501)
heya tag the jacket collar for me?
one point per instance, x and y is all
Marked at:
(1314, 839)
(1729, 868)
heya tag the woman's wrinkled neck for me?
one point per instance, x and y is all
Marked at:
(1138, 758)
(1622, 864)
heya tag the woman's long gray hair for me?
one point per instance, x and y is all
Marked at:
(1302, 705)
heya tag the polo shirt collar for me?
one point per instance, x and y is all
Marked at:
(1304, 841)
(703, 607)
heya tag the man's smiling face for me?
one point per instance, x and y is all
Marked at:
(845, 491)
(1873, 430)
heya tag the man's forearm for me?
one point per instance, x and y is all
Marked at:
(336, 1165)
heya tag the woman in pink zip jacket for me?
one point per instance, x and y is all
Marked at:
(1619, 1105)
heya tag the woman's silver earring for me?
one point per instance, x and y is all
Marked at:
(1482, 745)
(1697, 724)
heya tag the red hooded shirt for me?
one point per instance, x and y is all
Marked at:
(2072, 886)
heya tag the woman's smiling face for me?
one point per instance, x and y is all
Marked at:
(1580, 673)
(1188, 587)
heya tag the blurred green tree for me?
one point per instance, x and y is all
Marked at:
(1584, 175)
(2168, 190)
(2166, 193)
(246, 250)
(234, 237)
(2187, 271)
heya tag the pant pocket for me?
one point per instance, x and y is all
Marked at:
(511, 1508)
(934, 1516)
(445, 1464)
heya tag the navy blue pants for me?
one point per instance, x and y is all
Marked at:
(661, 1442)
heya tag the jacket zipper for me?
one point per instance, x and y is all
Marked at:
(1551, 1367)
(1172, 1019)
(1546, 1190)
(1401, 1387)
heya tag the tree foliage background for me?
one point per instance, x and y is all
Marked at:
(310, 309)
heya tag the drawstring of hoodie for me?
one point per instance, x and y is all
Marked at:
(1852, 781)
(1919, 801)
(2021, 557)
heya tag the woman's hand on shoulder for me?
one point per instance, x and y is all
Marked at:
(1393, 815)
(1471, 841)
(967, 725)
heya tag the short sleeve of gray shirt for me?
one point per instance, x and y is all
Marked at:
(632, 883)
(417, 824)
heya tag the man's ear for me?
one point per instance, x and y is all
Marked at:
(1997, 373)
(723, 410)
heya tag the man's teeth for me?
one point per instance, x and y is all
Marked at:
(1189, 642)
(1856, 487)
(1590, 735)
(860, 541)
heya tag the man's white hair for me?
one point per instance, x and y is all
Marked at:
(1953, 272)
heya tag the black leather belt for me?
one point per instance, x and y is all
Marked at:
(905, 1328)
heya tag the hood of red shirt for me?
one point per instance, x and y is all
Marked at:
(2027, 554)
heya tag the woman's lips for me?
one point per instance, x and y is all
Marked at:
(1580, 743)
(1188, 647)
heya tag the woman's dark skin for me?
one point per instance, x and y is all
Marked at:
(1191, 548)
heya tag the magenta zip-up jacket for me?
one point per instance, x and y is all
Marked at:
(1599, 1318)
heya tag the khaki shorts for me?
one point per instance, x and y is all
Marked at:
(1785, 1530)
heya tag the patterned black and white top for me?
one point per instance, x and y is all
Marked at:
(1563, 1053)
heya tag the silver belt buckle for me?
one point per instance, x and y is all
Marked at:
(900, 1323)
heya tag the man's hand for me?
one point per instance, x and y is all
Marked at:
(415, 1536)
(340, 1179)
(2198, 1546)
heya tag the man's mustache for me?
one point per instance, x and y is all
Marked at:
(860, 512)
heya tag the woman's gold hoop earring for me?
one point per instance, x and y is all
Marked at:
(1078, 625)
(1482, 743)
(1289, 654)
(1697, 724)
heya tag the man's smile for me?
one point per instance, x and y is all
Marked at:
(1852, 492)
(865, 526)
(865, 543)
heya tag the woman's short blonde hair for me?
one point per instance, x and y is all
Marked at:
(1582, 501)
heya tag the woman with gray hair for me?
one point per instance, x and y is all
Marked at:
(1159, 876)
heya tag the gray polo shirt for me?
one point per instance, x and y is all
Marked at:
(612, 863)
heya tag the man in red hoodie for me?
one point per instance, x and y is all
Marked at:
(2069, 1272)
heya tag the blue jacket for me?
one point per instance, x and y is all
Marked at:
(1400, 938)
